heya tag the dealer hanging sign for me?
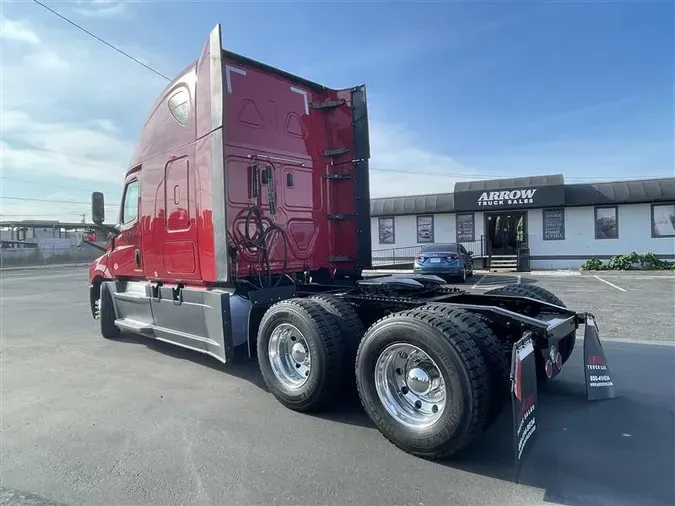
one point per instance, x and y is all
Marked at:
(511, 198)
(530, 197)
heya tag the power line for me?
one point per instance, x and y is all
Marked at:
(499, 176)
(27, 199)
(100, 39)
(66, 213)
(40, 183)
(416, 173)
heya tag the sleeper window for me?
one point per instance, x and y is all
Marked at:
(179, 105)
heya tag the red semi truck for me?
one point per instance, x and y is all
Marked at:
(245, 222)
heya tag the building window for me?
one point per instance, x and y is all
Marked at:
(425, 229)
(606, 222)
(553, 223)
(663, 220)
(179, 105)
(465, 227)
(130, 205)
(387, 235)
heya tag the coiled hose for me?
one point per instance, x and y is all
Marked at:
(260, 241)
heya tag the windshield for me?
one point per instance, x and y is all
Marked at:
(439, 248)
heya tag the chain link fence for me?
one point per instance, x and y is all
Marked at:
(48, 255)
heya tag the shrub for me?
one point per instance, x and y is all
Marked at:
(592, 264)
(643, 261)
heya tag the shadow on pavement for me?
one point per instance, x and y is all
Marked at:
(501, 279)
(241, 366)
(612, 452)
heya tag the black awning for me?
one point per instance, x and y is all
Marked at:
(621, 192)
(415, 204)
(526, 193)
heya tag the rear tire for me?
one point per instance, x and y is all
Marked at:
(453, 357)
(566, 344)
(302, 366)
(462, 278)
(490, 348)
(107, 314)
(351, 327)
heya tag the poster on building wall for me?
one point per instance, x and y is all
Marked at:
(386, 226)
(554, 224)
(425, 229)
(465, 227)
(606, 223)
(663, 220)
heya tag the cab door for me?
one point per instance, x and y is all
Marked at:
(126, 258)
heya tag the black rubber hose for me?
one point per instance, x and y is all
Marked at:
(260, 240)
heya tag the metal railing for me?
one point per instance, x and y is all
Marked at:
(405, 256)
(47, 255)
(395, 256)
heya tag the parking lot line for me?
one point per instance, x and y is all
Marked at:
(478, 282)
(610, 284)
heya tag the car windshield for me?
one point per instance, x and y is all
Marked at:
(439, 248)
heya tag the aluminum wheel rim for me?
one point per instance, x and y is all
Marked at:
(410, 386)
(289, 356)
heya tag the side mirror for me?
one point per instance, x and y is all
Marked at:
(470, 253)
(97, 208)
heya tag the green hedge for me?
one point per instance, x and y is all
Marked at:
(637, 261)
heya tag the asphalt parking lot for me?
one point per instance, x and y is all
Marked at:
(88, 421)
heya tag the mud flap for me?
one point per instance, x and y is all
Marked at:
(523, 399)
(599, 384)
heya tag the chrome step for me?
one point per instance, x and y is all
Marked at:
(133, 326)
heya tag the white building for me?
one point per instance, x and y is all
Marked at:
(539, 219)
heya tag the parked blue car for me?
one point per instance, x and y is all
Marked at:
(444, 260)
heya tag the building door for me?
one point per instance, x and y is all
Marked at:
(506, 232)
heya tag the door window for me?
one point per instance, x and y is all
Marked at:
(130, 205)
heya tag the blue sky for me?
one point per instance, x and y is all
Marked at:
(459, 90)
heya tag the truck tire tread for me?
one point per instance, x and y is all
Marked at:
(107, 314)
(453, 342)
(320, 327)
(528, 290)
(350, 325)
(490, 348)
(540, 293)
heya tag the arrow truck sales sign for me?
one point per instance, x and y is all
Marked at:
(513, 198)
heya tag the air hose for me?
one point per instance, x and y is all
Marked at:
(261, 239)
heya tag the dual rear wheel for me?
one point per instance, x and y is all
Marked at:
(422, 380)
(431, 379)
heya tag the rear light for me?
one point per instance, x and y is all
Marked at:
(453, 257)
(419, 258)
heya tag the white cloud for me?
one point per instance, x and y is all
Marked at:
(64, 98)
(107, 125)
(61, 149)
(579, 160)
(409, 168)
(85, 76)
(75, 123)
(16, 30)
(101, 8)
